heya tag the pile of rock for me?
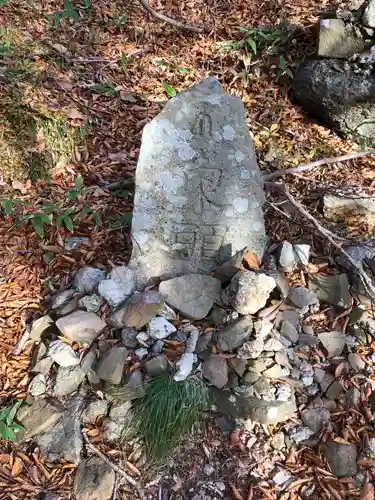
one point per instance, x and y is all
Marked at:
(339, 86)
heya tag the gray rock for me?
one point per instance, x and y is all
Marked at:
(37, 386)
(94, 480)
(215, 370)
(289, 331)
(40, 326)
(250, 378)
(238, 365)
(304, 339)
(244, 406)
(193, 294)
(141, 352)
(61, 298)
(302, 253)
(87, 278)
(116, 425)
(111, 365)
(133, 388)
(290, 315)
(43, 366)
(251, 349)
(274, 371)
(92, 303)
(119, 286)
(199, 192)
(260, 364)
(324, 380)
(94, 410)
(273, 345)
(168, 313)
(339, 39)
(300, 433)
(220, 317)
(282, 359)
(234, 335)
(76, 242)
(39, 416)
(321, 87)
(160, 328)
(342, 458)
(129, 337)
(156, 366)
(352, 397)
(333, 342)
(315, 418)
(81, 326)
(158, 347)
(62, 441)
(226, 271)
(262, 385)
(287, 258)
(138, 310)
(248, 291)
(203, 342)
(339, 208)
(62, 353)
(67, 308)
(334, 391)
(88, 361)
(368, 17)
(302, 297)
(68, 379)
(356, 362)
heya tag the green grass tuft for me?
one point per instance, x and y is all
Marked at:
(168, 411)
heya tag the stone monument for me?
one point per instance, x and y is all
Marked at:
(199, 191)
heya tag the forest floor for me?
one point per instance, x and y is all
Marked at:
(78, 82)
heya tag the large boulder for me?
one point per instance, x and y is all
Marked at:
(334, 92)
(199, 192)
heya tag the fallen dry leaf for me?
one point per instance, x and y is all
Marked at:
(367, 491)
(4, 458)
(17, 467)
(236, 494)
(251, 259)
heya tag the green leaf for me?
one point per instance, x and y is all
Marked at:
(124, 61)
(10, 434)
(60, 220)
(69, 223)
(13, 411)
(46, 218)
(38, 226)
(72, 194)
(253, 45)
(170, 91)
(282, 63)
(17, 427)
(8, 206)
(78, 182)
(182, 70)
(3, 430)
(48, 256)
(96, 218)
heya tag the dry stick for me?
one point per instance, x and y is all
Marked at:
(318, 163)
(367, 282)
(169, 20)
(114, 466)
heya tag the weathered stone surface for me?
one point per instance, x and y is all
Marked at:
(111, 365)
(302, 297)
(62, 440)
(356, 362)
(62, 353)
(226, 271)
(302, 253)
(115, 426)
(314, 418)
(234, 335)
(333, 342)
(37, 385)
(287, 258)
(215, 370)
(251, 349)
(43, 365)
(368, 17)
(333, 289)
(61, 298)
(39, 416)
(76, 242)
(238, 366)
(68, 379)
(193, 294)
(343, 99)
(67, 308)
(94, 480)
(342, 458)
(274, 371)
(94, 410)
(133, 388)
(199, 192)
(81, 326)
(339, 208)
(87, 278)
(40, 326)
(339, 39)
(160, 328)
(248, 291)
(289, 331)
(156, 366)
(334, 391)
(119, 285)
(129, 337)
(91, 303)
(138, 310)
(264, 412)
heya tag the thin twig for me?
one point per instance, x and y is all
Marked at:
(318, 163)
(169, 20)
(114, 466)
(331, 237)
(130, 54)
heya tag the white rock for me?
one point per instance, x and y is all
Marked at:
(184, 366)
(119, 286)
(81, 326)
(251, 349)
(159, 328)
(62, 354)
(141, 353)
(287, 258)
(300, 433)
(371, 446)
(142, 338)
(37, 386)
(273, 345)
(263, 327)
(168, 313)
(302, 253)
(282, 477)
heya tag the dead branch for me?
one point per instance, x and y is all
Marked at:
(114, 466)
(318, 163)
(331, 237)
(169, 20)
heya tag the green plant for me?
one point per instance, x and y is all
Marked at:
(121, 21)
(168, 411)
(108, 88)
(7, 425)
(172, 66)
(283, 69)
(78, 189)
(69, 12)
(170, 91)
